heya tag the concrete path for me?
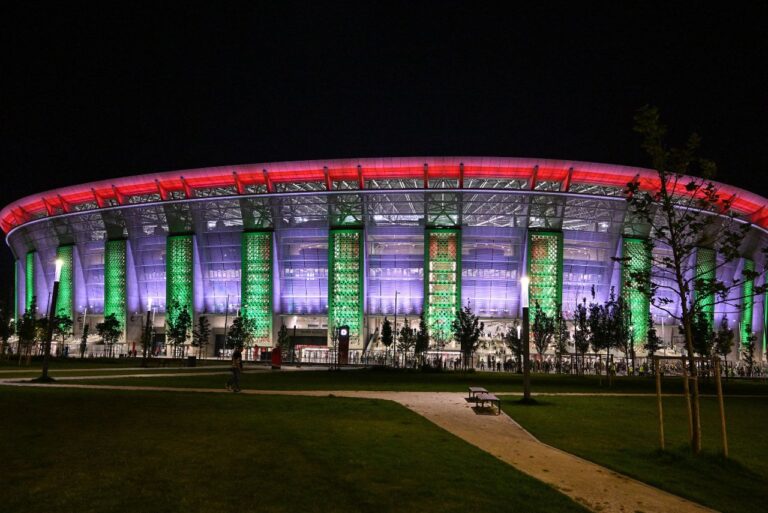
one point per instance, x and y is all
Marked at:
(596, 487)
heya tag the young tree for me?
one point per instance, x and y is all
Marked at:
(653, 343)
(178, 322)
(386, 335)
(110, 331)
(515, 344)
(582, 337)
(561, 338)
(406, 340)
(542, 329)
(422, 339)
(285, 341)
(27, 331)
(724, 339)
(703, 337)
(619, 328)
(84, 340)
(62, 328)
(240, 333)
(681, 210)
(748, 351)
(201, 335)
(466, 329)
(6, 331)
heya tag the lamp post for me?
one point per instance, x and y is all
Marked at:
(524, 282)
(51, 316)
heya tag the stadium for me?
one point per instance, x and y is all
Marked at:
(314, 244)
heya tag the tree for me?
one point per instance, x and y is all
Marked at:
(62, 327)
(466, 329)
(110, 331)
(422, 339)
(240, 333)
(681, 210)
(652, 342)
(178, 323)
(619, 328)
(6, 331)
(515, 344)
(27, 331)
(386, 335)
(724, 339)
(748, 351)
(582, 337)
(406, 340)
(542, 329)
(285, 341)
(561, 337)
(201, 335)
(147, 342)
(703, 337)
(84, 340)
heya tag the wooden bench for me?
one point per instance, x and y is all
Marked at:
(482, 398)
(473, 391)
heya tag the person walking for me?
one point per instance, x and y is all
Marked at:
(237, 366)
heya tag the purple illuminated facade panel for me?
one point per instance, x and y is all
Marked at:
(220, 266)
(91, 294)
(395, 263)
(303, 268)
(491, 261)
(149, 261)
(587, 263)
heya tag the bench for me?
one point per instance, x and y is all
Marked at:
(482, 398)
(473, 391)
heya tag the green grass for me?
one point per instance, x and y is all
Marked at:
(622, 433)
(65, 450)
(388, 379)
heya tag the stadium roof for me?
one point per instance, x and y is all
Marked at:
(345, 174)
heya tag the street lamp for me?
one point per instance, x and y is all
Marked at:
(51, 316)
(524, 283)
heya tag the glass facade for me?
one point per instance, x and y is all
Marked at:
(395, 264)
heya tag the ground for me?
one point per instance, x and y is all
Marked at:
(357, 454)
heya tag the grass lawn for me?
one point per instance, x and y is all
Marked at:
(389, 379)
(622, 433)
(65, 450)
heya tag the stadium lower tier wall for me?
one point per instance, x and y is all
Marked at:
(289, 273)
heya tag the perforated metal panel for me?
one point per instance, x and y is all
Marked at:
(442, 295)
(66, 283)
(705, 270)
(639, 303)
(115, 279)
(545, 270)
(29, 279)
(345, 281)
(178, 274)
(256, 284)
(747, 290)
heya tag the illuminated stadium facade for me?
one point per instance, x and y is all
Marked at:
(314, 244)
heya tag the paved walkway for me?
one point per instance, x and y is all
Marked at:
(596, 487)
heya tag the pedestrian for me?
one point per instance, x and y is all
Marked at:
(237, 366)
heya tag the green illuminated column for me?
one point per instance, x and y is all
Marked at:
(705, 270)
(345, 281)
(66, 295)
(545, 270)
(442, 280)
(29, 279)
(639, 303)
(178, 275)
(747, 289)
(256, 283)
(115, 279)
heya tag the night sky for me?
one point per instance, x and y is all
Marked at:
(101, 92)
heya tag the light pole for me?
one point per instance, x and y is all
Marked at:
(524, 282)
(44, 378)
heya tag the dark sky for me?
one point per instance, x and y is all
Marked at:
(98, 92)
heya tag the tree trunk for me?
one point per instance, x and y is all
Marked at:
(695, 414)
